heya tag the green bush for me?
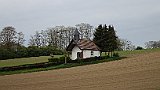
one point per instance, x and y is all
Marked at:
(60, 60)
(104, 57)
(6, 54)
(27, 66)
(139, 48)
(72, 61)
(86, 60)
(31, 51)
(89, 59)
(54, 60)
(68, 58)
(115, 54)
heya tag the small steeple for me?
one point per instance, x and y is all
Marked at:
(76, 35)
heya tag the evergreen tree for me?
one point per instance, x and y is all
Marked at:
(98, 39)
(105, 37)
(113, 43)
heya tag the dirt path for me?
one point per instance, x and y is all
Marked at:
(135, 73)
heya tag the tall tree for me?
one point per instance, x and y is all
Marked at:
(153, 44)
(8, 37)
(32, 41)
(124, 44)
(44, 38)
(20, 38)
(60, 36)
(98, 39)
(86, 30)
(113, 44)
(37, 39)
(105, 37)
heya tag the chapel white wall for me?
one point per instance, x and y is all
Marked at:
(74, 52)
(87, 53)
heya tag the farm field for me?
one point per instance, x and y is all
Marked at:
(133, 73)
(22, 61)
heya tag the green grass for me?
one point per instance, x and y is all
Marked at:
(23, 61)
(32, 60)
(38, 69)
(68, 65)
(135, 52)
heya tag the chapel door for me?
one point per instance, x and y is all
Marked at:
(79, 55)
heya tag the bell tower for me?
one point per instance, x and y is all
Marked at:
(76, 35)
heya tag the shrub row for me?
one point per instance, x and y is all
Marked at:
(27, 66)
(61, 60)
(88, 59)
(57, 61)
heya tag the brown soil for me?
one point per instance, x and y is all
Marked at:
(134, 73)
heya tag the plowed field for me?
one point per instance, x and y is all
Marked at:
(133, 73)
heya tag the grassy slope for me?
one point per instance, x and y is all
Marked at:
(68, 65)
(135, 52)
(44, 59)
(22, 61)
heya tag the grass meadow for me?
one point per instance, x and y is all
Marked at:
(23, 61)
(135, 52)
(32, 60)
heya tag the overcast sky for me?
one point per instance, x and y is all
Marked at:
(135, 20)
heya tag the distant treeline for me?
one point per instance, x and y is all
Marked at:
(31, 51)
(11, 46)
(153, 44)
(53, 40)
(60, 36)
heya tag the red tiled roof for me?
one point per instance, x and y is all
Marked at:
(83, 44)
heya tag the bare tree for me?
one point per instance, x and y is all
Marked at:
(153, 44)
(60, 36)
(70, 33)
(8, 36)
(0, 40)
(86, 30)
(35, 40)
(60, 40)
(44, 38)
(126, 44)
(53, 36)
(20, 38)
(32, 41)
